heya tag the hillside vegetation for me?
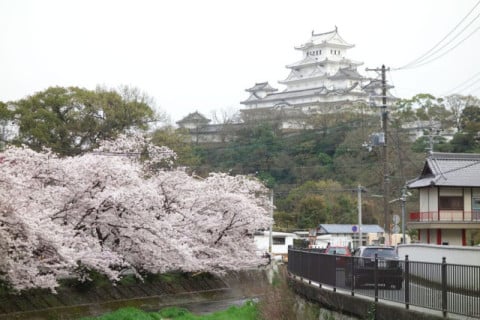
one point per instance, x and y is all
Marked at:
(315, 172)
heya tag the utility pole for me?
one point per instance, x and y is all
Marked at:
(386, 224)
(360, 236)
(270, 236)
(403, 199)
(431, 136)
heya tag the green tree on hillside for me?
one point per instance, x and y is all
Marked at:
(424, 107)
(468, 139)
(72, 120)
(5, 114)
(179, 141)
(315, 202)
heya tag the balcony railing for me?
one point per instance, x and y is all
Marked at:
(445, 216)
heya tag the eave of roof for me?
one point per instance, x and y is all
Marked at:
(449, 169)
(318, 91)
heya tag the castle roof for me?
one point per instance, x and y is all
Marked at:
(287, 95)
(310, 60)
(331, 38)
(261, 86)
(194, 117)
(347, 73)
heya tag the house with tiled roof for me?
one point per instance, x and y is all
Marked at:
(449, 206)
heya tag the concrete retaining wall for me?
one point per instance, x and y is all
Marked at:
(357, 306)
(73, 302)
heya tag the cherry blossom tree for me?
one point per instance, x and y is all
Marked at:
(121, 207)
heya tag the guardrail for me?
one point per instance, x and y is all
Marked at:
(449, 288)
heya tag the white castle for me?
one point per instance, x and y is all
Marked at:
(323, 81)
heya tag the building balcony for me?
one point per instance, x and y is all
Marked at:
(445, 218)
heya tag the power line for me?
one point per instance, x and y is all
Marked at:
(420, 61)
(465, 83)
(449, 50)
(475, 90)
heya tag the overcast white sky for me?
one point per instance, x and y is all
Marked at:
(201, 55)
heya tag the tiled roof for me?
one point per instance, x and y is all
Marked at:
(347, 73)
(265, 86)
(194, 117)
(449, 169)
(348, 228)
(319, 91)
(331, 37)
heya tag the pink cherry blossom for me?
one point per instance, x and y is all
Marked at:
(121, 207)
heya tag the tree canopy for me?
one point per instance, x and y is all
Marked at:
(116, 208)
(73, 120)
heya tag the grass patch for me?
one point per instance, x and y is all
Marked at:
(246, 312)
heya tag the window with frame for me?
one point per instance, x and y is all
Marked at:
(278, 240)
(450, 203)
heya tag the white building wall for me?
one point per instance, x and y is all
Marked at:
(434, 253)
(422, 233)
(433, 236)
(262, 242)
(452, 237)
(424, 200)
(467, 199)
(453, 254)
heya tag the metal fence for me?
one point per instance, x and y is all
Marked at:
(450, 288)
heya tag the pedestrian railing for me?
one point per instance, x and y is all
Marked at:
(449, 288)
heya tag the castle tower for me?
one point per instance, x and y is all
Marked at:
(323, 81)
